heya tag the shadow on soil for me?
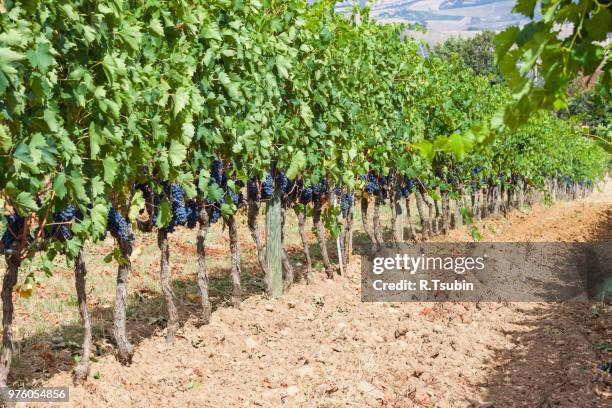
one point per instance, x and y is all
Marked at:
(39, 357)
(557, 349)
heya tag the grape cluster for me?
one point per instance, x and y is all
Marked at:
(14, 226)
(193, 213)
(62, 231)
(216, 172)
(319, 190)
(118, 226)
(236, 197)
(347, 200)
(177, 201)
(282, 182)
(306, 195)
(406, 188)
(606, 367)
(371, 187)
(214, 212)
(267, 187)
(253, 190)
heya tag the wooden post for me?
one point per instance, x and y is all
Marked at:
(274, 245)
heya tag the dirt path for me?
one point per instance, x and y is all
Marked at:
(319, 346)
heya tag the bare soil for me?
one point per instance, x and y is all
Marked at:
(320, 346)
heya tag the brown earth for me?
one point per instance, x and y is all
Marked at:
(320, 346)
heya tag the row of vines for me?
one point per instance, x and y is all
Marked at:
(159, 114)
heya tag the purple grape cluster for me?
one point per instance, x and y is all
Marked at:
(282, 181)
(253, 190)
(267, 187)
(214, 212)
(236, 197)
(216, 172)
(118, 226)
(14, 227)
(406, 188)
(371, 187)
(606, 367)
(347, 200)
(177, 201)
(62, 231)
(306, 195)
(193, 213)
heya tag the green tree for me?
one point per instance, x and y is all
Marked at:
(477, 53)
(541, 58)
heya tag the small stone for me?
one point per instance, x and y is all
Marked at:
(305, 371)
(268, 394)
(251, 344)
(291, 305)
(370, 390)
(269, 307)
(293, 390)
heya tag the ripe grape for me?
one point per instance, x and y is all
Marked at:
(14, 227)
(179, 213)
(253, 190)
(606, 367)
(193, 213)
(63, 219)
(316, 192)
(372, 187)
(215, 214)
(215, 172)
(118, 226)
(281, 181)
(236, 197)
(267, 187)
(306, 195)
(346, 202)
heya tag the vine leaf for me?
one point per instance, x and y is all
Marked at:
(177, 153)
(298, 162)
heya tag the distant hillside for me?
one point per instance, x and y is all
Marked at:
(444, 18)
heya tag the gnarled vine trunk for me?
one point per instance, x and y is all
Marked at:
(475, 204)
(13, 262)
(316, 219)
(409, 217)
(164, 274)
(397, 211)
(445, 212)
(365, 202)
(301, 216)
(378, 235)
(423, 220)
(253, 212)
(289, 276)
(81, 371)
(125, 350)
(347, 236)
